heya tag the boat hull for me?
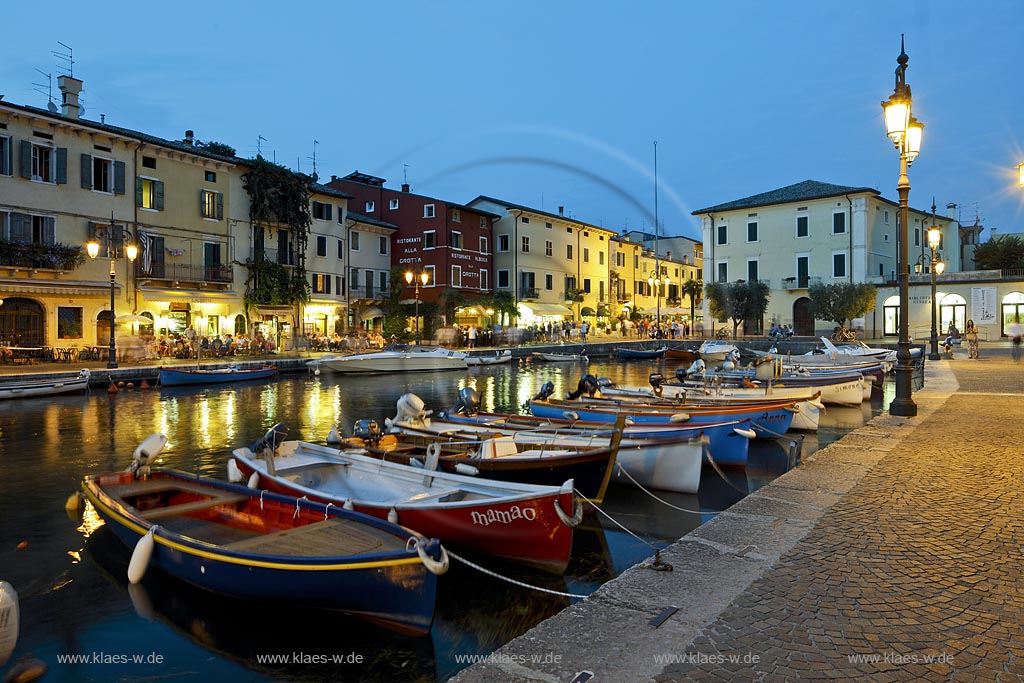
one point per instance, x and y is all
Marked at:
(176, 378)
(30, 388)
(366, 366)
(490, 359)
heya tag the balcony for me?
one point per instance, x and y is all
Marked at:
(789, 283)
(529, 293)
(186, 272)
(370, 293)
(31, 256)
(284, 257)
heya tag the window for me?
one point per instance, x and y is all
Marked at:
(210, 176)
(586, 285)
(149, 194)
(69, 322)
(917, 237)
(211, 205)
(751, 232)
(752, 271)
(5, 155)
(568, 251)
(393, 204)
(339, 284)
(886, 217)
(428, 210)
(370, 207)
(456, 276)
(839, 264)
(526, 244)
(431, 277)
(547, 225)
(321, 245)
(148, 162)
(525, 219)
(354, 240)
(456, 239)
(429, 239)
(548, 248)
(382, 280)
(101, 174)
(722, 235)
(570, 285)
(586, 254)
(600, 258)
(43, 165)
(802, 271)
(484, 245)
(483, 222)
(503, 243)
(382, 245)
(801, 226)
(341, 249)
(321, 283)
(323, 211)
(723, 272)
(502, 279)
(456, 216)
(483, 279)
(549, 281)
(838, 223)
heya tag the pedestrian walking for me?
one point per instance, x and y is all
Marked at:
(1016, 332)
(583, 331)
(472, 336)
(971, 335)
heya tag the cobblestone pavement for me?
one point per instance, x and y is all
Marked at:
(914, 575)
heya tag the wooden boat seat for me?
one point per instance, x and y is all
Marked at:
(330, 537)
(185, 508)
(429, 495)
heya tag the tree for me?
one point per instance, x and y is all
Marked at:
(1005, 252)
(738, 300)
(695, 290)
(216, 148)
(841, 301)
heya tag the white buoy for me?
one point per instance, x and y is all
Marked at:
(393, 516)
(9, 619)
(348, 504)
(141, 556)
(463, 468)
(73, 503)
(254, 480)
(234, 474)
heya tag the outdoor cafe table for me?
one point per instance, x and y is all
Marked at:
(27, 354)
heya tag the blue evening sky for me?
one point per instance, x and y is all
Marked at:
(553, 103)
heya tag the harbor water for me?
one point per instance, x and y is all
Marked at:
(80, 617)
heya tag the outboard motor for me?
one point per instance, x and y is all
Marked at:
(696, 368)
(545, 392)
(681, 374)
(468, 402)
(368, 431)
(605, 382)
(274, 437)
(409, 409)
(145, 454)
(656, 378)
(587, 385)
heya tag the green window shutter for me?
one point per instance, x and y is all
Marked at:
(118, 177)
(86, 171)
(49, 231)
(220, 206)
(62, 165)
(25, 162)
(138, 192)
(21, 227)
(158, 195)
(202, 203)
(330, 216)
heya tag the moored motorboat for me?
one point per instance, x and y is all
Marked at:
(44, 386)
(714, 351)
(560, 357)
(519, 522)
(172, 377)
(256, 545)
(395, 358)
(489, 358)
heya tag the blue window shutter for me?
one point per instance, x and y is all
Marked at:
(158, 195)
(220, 206)
(62, 166)
(118, 177)
(86, 171)
(26, 159)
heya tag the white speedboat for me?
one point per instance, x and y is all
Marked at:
(713, 351)
(395, 358)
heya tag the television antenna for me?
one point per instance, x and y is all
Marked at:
(259, 149)
(405, 173)
(68, 58)
(315, 176)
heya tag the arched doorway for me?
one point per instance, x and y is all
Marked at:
(21, 322)
(103, 322)
(803, 321)
(952, 309)
(1012, 309)
(891, 316)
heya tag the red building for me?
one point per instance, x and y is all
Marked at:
(451, 242)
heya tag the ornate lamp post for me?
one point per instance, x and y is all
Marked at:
(655, 281)
(114, 235)
(905, 132)
(409, 278)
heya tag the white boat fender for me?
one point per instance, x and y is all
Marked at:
(679, 417)
(469, 470)
(571, 415)
(141, 556)
(254, 480)
(748, 433)
(9, 619)
(333, 436)
(393, 516)
(234, 474)
(577, 514)
(817, 404)
(73, 503)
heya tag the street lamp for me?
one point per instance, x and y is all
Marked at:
(409, 278)
(934, 239)
(1020, 172)
(905, 132)
(655, 281)
(114, 235)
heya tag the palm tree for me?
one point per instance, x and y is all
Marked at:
(695, 290)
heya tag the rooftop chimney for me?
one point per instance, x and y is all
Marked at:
(333, 177)
(69, 89)
(951, 210)
(405, 187)
(561, 211)
(189, 137)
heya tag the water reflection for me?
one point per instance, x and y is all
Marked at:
(70, 574)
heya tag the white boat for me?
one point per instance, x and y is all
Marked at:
(395, 358)
(492, 358)
(9, 617)
(860, 350)
(560, 357)
(713, 351)
(45, 387)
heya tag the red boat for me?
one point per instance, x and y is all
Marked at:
(524, 523)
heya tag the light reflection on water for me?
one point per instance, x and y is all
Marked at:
(71, 605)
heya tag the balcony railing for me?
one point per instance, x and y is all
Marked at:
(358, 292)
(799, 282)
(529, 293)
(186, 272)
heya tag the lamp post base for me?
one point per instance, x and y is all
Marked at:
(903, 405)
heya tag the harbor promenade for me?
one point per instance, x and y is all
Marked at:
(894, 554)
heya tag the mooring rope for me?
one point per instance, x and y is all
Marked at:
(616, 523)
(515, 582)
(707, 454)
(662, 500)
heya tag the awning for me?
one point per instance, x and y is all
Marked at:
(603, 310)
(546, 309)
(195, 296)
(674, 310)
(587, 310)
(371, 313)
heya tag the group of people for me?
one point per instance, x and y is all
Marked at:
(651, 329)
(779, 332)
(185, 345)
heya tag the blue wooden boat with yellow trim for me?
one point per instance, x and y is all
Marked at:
(626, 353)
(244, 543)
(173, 377)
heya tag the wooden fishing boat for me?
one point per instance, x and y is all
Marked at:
(518, 522)
(257, 545)
(47, 386)
(491, 358)
(561, 357)
(682, 354)
(173, 377)
(640, 354)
